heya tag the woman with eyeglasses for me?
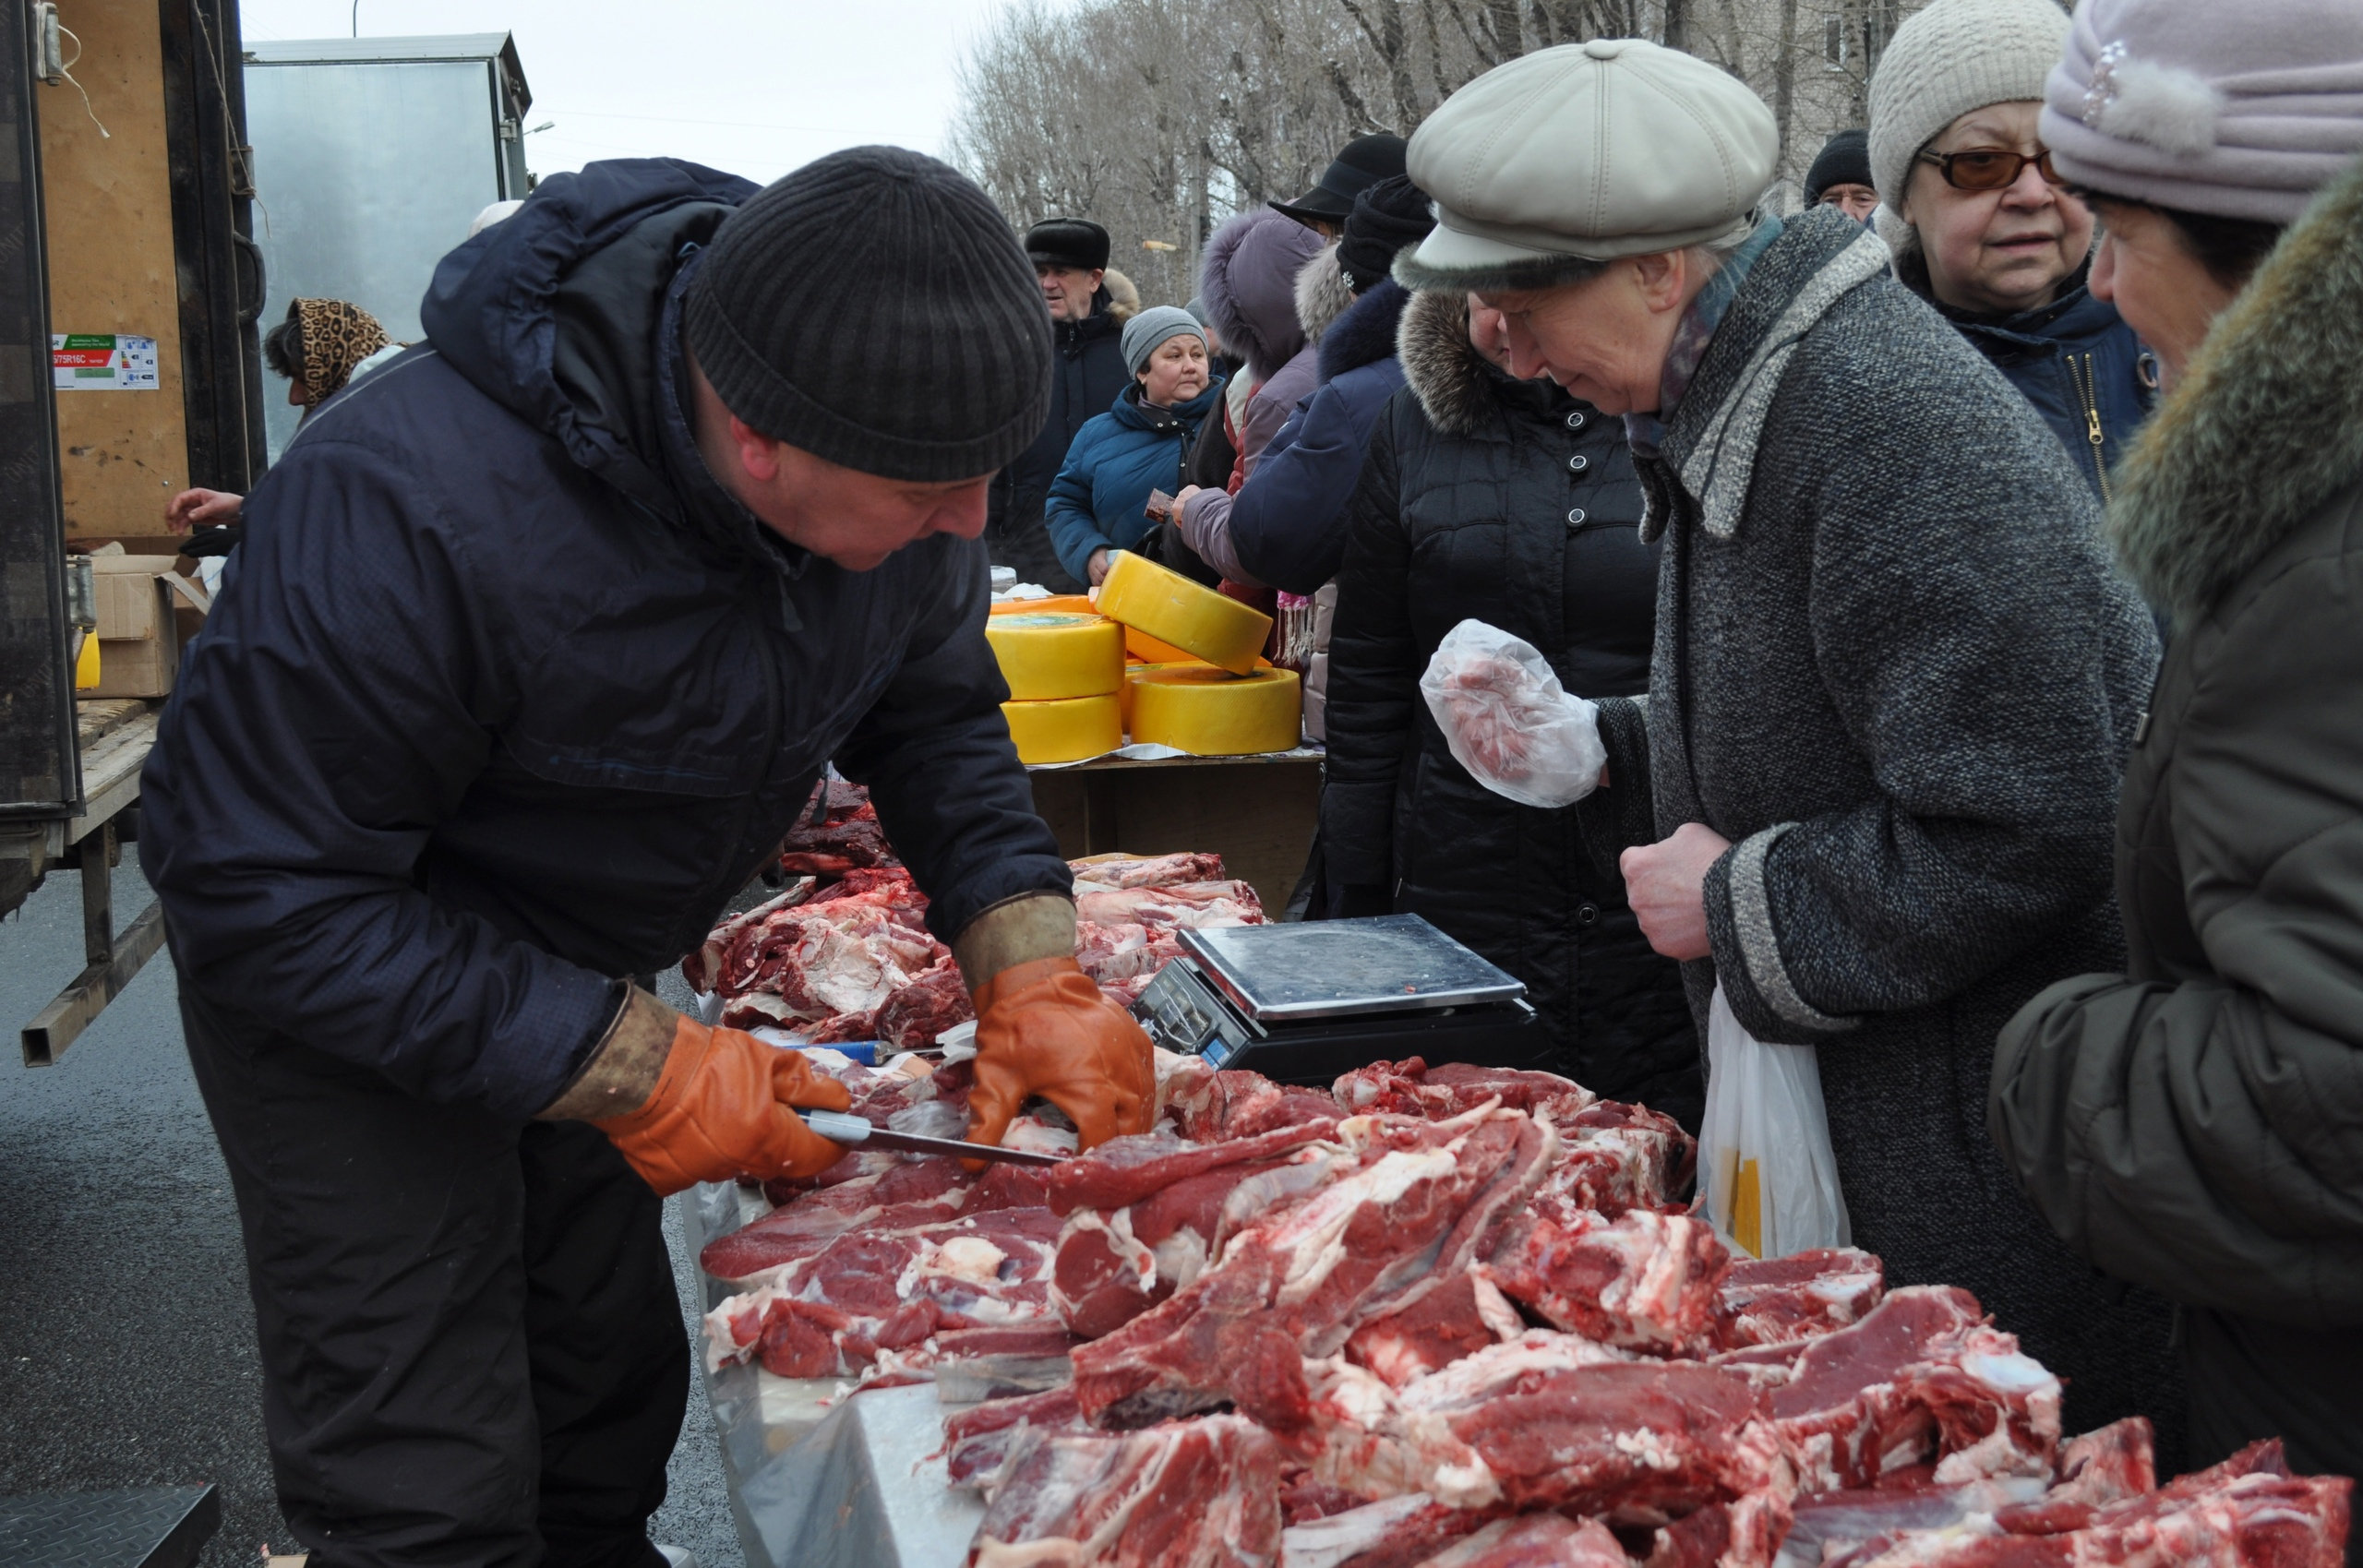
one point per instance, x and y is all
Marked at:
(1981, 231)
(2194, 1123)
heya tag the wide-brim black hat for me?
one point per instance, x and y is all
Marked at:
(1067, 241)
(1360, 164)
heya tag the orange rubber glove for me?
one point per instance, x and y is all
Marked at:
(1044, 1028)
(720, 1108)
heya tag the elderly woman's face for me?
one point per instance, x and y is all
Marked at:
(2166, 294)
(1176, 371)
(1995, 250)
(1605, 340)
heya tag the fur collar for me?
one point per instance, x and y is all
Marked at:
(1365, 333)
(1447, 374)
(1322, 295)
(2266, 426)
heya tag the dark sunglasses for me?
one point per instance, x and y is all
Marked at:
(1989, 168)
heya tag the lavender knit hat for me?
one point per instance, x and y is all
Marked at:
(2236, 110)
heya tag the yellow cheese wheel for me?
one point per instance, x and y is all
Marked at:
(1142, 648)
(1171, 608)
(1065, 731)
(1210, 712)
(1051, 655)
(1080, 603)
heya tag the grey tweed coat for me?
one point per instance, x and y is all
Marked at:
(1896, 668)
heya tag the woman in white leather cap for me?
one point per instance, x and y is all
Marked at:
(1869, 790)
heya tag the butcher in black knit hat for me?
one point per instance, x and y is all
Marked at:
(541, 638)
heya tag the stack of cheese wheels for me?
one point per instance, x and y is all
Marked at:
(1203, 688)
(1065, 670)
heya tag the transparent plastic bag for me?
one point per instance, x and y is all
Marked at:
(1764, 1158)
(1509, 722)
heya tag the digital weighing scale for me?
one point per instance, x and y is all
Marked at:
(1303, 1002)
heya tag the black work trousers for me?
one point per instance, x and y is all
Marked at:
(473, 1354)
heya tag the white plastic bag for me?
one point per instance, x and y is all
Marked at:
(1764, 1158)
(1509, 722)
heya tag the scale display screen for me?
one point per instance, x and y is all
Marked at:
(1346, 968)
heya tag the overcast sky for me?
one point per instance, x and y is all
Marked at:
(755, 87)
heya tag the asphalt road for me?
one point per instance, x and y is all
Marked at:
(126, 1336)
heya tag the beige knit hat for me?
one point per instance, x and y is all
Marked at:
(1568, 156)
(1955, 56)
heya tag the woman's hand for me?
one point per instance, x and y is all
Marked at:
(1098, 566)
(193, 507)
(1666, 884)
(1183, 500)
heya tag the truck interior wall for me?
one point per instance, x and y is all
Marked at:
(220, 276)
(108, 206)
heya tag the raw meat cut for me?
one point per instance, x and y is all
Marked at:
(2106, 1465)
(1115, 954)
(1922, 1375)
(1170, 906)
(1827, 1526)
(1210, 1108)
(1776, 1300)
(1646, 1281)
(1299, 1281)
(1553, 1420)
(1148, 871)
(847, 837)
(807, 962)
(978, 1441)
(1616, 1156)
(1191, 1494)
(1536, 1541)
(1125, 1170)
(936, 999)
(1410, 1087)
(904, 1193)
(1459, 1317)
(1395, 1532)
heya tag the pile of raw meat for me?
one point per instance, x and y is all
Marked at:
(845, 954)
(1444, 1316)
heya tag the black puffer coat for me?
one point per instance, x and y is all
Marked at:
(1087, 372)
(1510, 502)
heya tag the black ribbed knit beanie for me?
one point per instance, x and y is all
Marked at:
(874, 309)
(1845, 160)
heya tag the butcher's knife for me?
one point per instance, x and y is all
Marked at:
(856, 1132)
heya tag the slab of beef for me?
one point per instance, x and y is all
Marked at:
(1922, 1376)
(1148, 870)
(1616, 1156)
(901, 1194)
(1210, 1106)
(1553, 1420)
(936, 999)
(848, 837)
(1458, 1318)
(1829, 1526)
(877, 1288)
(1395, 1532)
(1410, 1087)
(1113, 954)
(1776, 1300)
(806, 963)
(1646, 1281)
(1536, 1541)
(1180, 905)
(978, 1441)
(1145, 1216)
(1189, 1494)
(2249, 1512)
(1300, 1281)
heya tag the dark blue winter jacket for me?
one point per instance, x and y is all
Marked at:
(1118, 458)
(2081, 367)
(1288, 523)
(510, 697)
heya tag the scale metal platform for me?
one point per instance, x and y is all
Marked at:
(1303, 1002)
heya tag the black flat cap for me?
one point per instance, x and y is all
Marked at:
(874, 308)
(1067, 241)
(1361, 163)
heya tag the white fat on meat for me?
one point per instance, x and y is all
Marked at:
(1327, 1542)
(1313, 1237)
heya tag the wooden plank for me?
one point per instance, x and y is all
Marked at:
(107, 205)
(97, 717)
(1258, 815)
(62, 1021)
(111, 773)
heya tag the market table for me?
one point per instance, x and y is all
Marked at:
(1256, 811)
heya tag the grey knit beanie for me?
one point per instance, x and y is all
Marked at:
(874, 309)
(1955, 56)
(2235, 110)
(1152, 326)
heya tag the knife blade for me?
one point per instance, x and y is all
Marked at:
(856, 1132)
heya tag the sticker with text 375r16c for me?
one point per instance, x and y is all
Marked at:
(102, 361)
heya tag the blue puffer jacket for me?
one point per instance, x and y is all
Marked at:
(2076, 361)
(1288, 523)
(1118, 458)
(510, 697)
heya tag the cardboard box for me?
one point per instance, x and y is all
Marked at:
(140, 643)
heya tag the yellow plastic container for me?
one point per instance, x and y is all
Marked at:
(1049, 656)
(1211, 712)
(1200, 622)
(1067, 731)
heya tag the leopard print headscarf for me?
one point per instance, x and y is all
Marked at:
(336, 336)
